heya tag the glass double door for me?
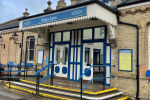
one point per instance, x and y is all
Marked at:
(93, 55)
(61, 59)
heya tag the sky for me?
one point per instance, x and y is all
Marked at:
(11, 9)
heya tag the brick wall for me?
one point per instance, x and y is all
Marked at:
(127, 36)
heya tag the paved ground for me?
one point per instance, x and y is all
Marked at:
(8, 94)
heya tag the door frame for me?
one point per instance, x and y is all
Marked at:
(52, 44)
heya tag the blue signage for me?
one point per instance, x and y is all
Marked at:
(56, 17)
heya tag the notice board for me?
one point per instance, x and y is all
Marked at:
(125, 60)
(40, 56)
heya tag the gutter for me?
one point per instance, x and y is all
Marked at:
(137, 64)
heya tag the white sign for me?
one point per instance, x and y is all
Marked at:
(112, 57)
(40, 56)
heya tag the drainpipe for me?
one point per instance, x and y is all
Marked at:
(137, 64)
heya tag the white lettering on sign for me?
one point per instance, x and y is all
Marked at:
(27, 23)
(77, 12)
(45, 20)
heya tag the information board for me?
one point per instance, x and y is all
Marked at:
(40, 56)
(125, 59)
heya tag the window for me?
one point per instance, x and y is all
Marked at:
(65, 56)
(57, 58)
(99, 33)
(58, 37)
(66, 36)
(87, 34)
(31, 49)
(87, 56)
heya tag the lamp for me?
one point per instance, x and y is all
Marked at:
(1, 41)
(69, 23)
(50, 26)
(15, 37)
(0, 38)
(94, 19)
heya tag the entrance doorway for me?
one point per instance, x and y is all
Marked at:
(98, 72)
(61, 59)
(93, 55)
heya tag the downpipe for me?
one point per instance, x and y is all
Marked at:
(137, 65)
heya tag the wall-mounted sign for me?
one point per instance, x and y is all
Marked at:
(125, 60)
(112, 57)
(40, 56)
(56, 17)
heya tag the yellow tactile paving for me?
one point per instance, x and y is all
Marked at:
(73, 90)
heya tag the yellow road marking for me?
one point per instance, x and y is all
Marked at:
(124, 98)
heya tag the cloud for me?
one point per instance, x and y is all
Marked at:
(11, 9)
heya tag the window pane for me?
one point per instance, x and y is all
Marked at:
(57, 60)
(87, 34)
(99, 33)
(32, 43)
(87, 56)
(65, 56)
(58, 37)
(31, 55)
(66, 36)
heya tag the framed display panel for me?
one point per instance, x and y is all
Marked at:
(125, 62)
(40, 56)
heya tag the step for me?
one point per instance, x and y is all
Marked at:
(68, 94)
(31, 91)
(72, 90)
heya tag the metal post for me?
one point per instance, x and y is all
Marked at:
(104, 78)
(8, 69)
(36, 84)
(19, 68)
(9, 78)
(52, 70)
(81, 88)
(24, 70)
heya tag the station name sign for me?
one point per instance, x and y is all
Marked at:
(82, 11)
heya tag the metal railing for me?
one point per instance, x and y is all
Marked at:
(80, 78)
(39, 81)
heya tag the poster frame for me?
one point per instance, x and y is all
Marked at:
(131, 60)
(42, 58)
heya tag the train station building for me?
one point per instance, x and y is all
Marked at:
(89, 36)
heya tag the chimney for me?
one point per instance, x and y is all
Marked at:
(26, 13)
(48, 8)
(73, 2)
(61, 4)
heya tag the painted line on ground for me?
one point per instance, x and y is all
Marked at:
(70, 94)
(124, 98)
(73, 90)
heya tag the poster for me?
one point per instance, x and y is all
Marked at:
(125, 59)
(40, 56)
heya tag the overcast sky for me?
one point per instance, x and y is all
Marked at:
(11, 9)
